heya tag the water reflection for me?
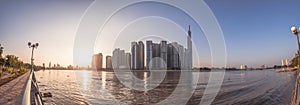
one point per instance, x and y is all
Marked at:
(93, 87)
(145, 81)
(103, 79)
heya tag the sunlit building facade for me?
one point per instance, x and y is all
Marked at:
(97, 61)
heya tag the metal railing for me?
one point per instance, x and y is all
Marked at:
(295, 98)
(32, 95)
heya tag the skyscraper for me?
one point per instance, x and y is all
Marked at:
(169, 55)
(163, 55)
(138, 56)
(108, 62)
(157, 55)
(97, 61)
(173, 51)
(141, 54)
(149, 51)
(128, 60)
(118, 59)
(134, 57)
(189, 50)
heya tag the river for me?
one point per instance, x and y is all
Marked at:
(259, 87)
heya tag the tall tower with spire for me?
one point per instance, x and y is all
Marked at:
(189, 32)
(189, 55)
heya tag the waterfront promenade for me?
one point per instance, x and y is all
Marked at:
(11, 93)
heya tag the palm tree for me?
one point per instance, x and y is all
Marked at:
(1, 51)
(11, 61)
(2, 60)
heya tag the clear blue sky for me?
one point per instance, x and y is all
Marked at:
(256, 31)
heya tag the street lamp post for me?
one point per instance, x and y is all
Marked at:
(295, 32)
(33, 46)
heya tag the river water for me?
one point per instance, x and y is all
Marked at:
(260, 87)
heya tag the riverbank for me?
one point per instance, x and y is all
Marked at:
(287, 70)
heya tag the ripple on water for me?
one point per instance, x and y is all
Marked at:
(91, 87)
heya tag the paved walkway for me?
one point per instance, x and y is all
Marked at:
(11, 93)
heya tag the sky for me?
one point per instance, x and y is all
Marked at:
(256, 32)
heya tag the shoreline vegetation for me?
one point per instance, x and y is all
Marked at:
(9, 74)
(11, 67)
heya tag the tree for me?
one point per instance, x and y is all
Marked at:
(12, 61)
(1, 51)
(2, 61)
(295, 61)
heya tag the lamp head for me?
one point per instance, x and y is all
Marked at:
(29, 44)
(36, 44)
(294, 30)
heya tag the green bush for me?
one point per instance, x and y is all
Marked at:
(5, 69)
(22, 70)
(9, 70)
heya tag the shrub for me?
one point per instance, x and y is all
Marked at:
(9, 70)
(22, 70)
(5, 69)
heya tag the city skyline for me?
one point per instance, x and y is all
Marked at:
(248, 40)
(113, 52)
(158, 56)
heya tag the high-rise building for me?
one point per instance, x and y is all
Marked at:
(156, 55)
(173, 52)
(97, 61)
(141, 54)
(282, 62)
(163, 55)
(134, 57)
(138, 56)
(108, 62)
(149, 51)
(168, 56)
(241, 66)
(189, 51)
(118, 59)
(128, 60)
(181, 56)
(49, 64)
